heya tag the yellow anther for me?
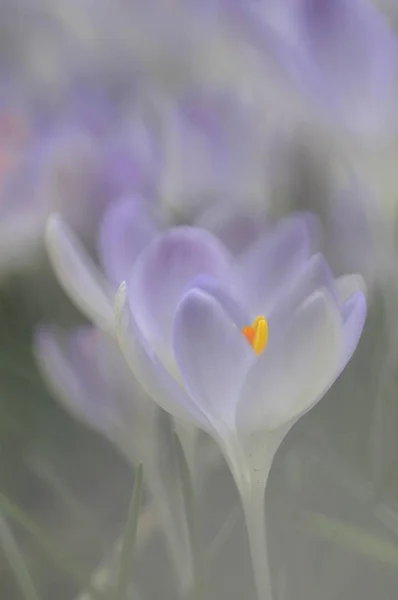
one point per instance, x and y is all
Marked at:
(257, 334)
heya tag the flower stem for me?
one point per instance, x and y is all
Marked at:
(166, 484)
(253, 507)
(250, 463)
(191, 519)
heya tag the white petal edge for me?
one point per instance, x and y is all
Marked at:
(78, 275)
(353, 312)
(347, 285)
(157, 382)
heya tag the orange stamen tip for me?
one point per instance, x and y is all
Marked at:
(249, 334)
(257, 334)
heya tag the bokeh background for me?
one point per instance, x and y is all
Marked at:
(332, 499)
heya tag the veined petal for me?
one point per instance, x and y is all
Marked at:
(126, 229)
(158, 383)
(296, 369)
(212, 354)
(162, 272)
(78, 275)
(273, 260)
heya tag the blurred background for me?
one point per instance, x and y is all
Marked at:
(93, 105)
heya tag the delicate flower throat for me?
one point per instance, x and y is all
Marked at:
(257, 334)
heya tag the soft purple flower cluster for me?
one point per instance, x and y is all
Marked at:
(175, 191)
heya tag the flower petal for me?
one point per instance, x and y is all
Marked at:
(158, 383)
(78, 275)
(224, 296)
(68, 363)
(354, 53)
(295, 370)
(163, 271)
(88, 374)
(314, 275)
(354, 314)
(126, 229)
(212, 148)
(212, 354)
(236, 228)
(347, 285)
(273, 260)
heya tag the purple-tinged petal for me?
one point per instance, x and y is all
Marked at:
(314, 275)
(353, 312)
(68, 363)
(274, 260)
(164, 270)
(67, 174)
(236, 229)
(157, 382)
(229, 302)
(126, 229)
(88, 374)
(132, 157)
(212, 355)
(296, 369)
(212, 149)
(354, 53)
(350, 243)
(347, 285)
(78, 275)
(340, 54)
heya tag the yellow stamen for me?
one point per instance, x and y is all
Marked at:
(257, 334)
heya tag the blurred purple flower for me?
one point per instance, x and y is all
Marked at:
(86, 371)
(214, 147)
(66, 163)
(341, 54)
(56, 173)
(127, 227)
(198, 168)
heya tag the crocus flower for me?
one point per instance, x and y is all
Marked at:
(211, 327)
(86, 372)
(214, 148)
(48, 174)
(211, 334)
(309, 175)
(240, 348)
(72, 163)
(152, 179)
(341, 54)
